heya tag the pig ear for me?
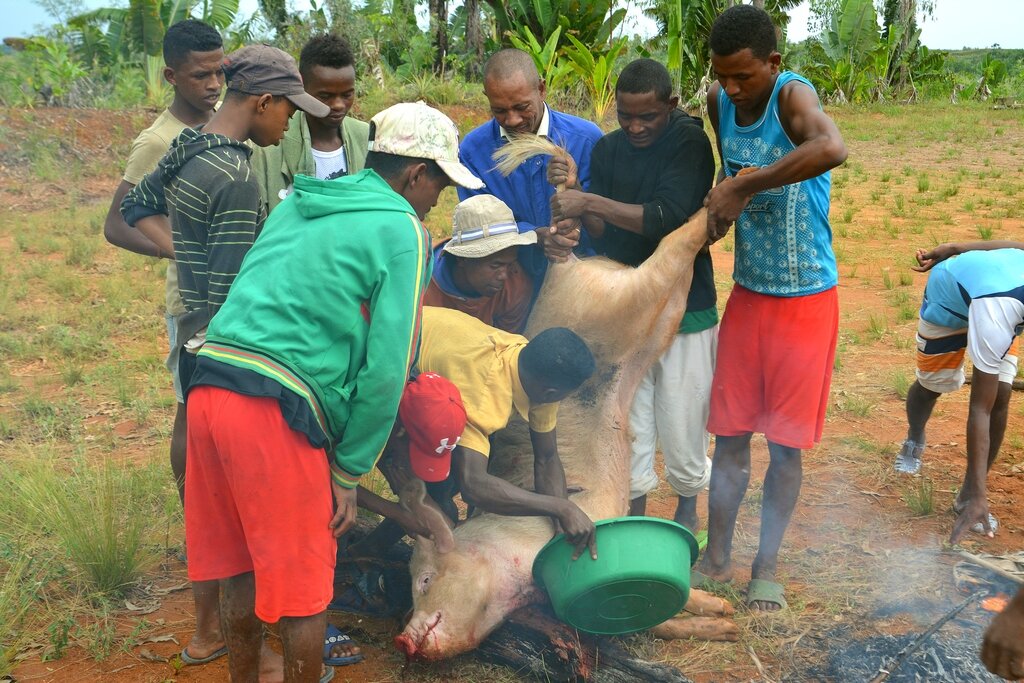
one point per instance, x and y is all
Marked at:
(413, 497)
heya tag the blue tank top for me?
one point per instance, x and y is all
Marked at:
(783, 237)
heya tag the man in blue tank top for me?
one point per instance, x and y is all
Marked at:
(778, 333)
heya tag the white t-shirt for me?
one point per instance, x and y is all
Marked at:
(330, 165)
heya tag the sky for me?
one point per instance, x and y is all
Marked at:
(956, 24)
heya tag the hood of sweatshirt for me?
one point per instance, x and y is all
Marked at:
(191, 142)
(364, 191)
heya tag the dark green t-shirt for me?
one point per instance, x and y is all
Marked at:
(670, 178)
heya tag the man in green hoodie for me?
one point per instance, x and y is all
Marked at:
(325, 148)
(297, 386)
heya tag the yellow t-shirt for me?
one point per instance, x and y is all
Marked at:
(483, 362)
(148, 149)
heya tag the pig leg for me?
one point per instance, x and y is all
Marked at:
(702, 628)
(704, 604)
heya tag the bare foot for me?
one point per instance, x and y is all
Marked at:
(722, 574)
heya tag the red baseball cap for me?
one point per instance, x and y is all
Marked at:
(433, 415)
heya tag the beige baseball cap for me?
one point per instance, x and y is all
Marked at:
(483, 225)
(414, 129)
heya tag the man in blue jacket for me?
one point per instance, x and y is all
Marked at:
(515, 93)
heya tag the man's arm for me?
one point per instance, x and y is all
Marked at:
(679, 193)
(926, 259)
(391, 345)
(548, 473)
(819, 148)
(984, 388)
(493, 494)
(1002, 650)
(387, 509)
(122, 235)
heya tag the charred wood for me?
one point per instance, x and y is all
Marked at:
(537, 646)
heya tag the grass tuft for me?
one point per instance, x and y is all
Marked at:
(921, 498)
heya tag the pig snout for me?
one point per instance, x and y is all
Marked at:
(419, 636)
(406, 645)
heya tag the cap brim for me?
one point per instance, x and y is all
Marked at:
(460, 175)
(430, 466)
(485, 246)
(310, 105)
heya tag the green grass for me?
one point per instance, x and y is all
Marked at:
(923, 184)
(900, 384)
(921, 497)
(877, 326)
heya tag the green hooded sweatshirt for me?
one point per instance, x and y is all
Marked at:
(327, 304)
(275, 167)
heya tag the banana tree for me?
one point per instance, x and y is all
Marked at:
(591, 21)
(596, 72)
(139, 28)
(551, 64)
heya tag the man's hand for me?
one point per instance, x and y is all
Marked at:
(928, 258)
(568, 204)
(724, 203)
(560, 239)
(1002, 650)
(345, 516)
(413, 524)
(975, 511)
(578, 529)
(562, 171)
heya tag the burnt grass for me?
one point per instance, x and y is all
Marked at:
(950, 655)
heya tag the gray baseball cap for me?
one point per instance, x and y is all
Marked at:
(260, 69)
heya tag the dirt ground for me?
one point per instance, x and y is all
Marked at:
(854, 545)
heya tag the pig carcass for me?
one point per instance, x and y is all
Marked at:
(463, 590)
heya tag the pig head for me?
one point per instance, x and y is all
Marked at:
(627, 316)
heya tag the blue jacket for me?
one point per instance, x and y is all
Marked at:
(527, 191)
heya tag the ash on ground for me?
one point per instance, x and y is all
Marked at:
(945, 657)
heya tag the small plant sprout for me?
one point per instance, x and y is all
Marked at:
(901, 384)
(921, 498)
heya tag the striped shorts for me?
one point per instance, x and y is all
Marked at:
(940, 358)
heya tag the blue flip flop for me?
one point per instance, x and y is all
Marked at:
(194, 661)
(334, 636)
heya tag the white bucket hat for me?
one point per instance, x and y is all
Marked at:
(483, 225)
(415, 129)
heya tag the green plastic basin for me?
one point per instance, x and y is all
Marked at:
(641, 576)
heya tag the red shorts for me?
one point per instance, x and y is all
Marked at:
(258, 499)
(774, 366)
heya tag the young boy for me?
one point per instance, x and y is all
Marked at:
(325, 148)
(778, 334)
(207, 188)
(192, 58)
